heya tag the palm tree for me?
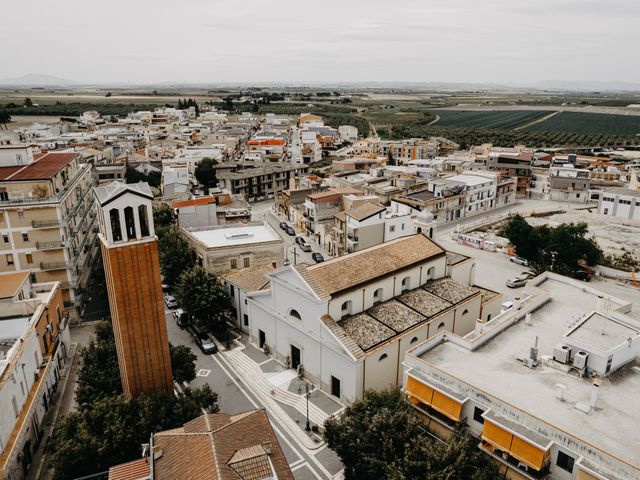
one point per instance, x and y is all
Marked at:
(535, 269)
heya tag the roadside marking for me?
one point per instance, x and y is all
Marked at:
(203, 372)
(296, 463)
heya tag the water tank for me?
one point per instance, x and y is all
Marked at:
(561, 353)
(580, 360)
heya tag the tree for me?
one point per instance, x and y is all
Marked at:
(134, 176)
(28, 102)
(381, 437)
(206, 174)
(183, 363)
(108, 94)
(163, 215)
(390, 158)
(5, 118)
(175, 254)
(523, 237)
(112, 429)
(205, 296)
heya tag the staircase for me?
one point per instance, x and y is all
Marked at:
(254, 377)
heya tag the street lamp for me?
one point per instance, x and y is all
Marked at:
(295, 255)
(553, 259)
(307, 395)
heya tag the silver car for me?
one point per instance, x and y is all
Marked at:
(520, 261)
(516, 282)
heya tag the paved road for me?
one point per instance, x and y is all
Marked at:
(234, 397)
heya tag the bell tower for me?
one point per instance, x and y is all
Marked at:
(132, 271)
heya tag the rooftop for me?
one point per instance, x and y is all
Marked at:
(229, 236)
(623, 192)
(250, 279)
(45, 167)
(11, 283)
(494, 368)
(365, 211)
(601, 332)
(113, 190)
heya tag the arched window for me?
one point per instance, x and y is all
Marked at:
(144, 221)
(406, 283)
(431, 273)
(488, 317)
(413, 340)
(419, 230)
(130, 223)
(295, 314)
(114, 218)
(346, 308)
(382, 357)
(440, 325)
(465, 312)
(378, 295)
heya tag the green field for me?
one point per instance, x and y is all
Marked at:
(496, 119)
(590, 124)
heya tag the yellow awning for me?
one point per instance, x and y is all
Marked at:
(446, 405)
(527, 453)
(497, 436)
(419, 391)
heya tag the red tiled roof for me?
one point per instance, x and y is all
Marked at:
(136, 470)
(43, 168)
(192, 203)
(6, 172)
(274, 141)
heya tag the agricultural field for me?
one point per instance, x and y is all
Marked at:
(590, 124)
(498, 119)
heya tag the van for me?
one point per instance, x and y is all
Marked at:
(182, 318)
(506, 306)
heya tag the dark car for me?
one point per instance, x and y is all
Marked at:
(203, 341)
(290, 231)
(317, 257)
(584, 275)
(283, 225)
(305, 247)
(300, 241)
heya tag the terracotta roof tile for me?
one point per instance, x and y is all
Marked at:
(365, 211)
(45, 167)
(136, 470)
(10, 283)
(250, 279)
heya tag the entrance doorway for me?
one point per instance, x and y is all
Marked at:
(295, 357)
(262, 338)
(335, 387)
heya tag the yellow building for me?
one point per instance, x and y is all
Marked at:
(47, 221)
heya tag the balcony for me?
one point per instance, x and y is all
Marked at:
(57, 245)
(45, 224)
(45, 266)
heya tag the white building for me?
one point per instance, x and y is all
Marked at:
(348, 133)
(12, 155)
(175, 180)
(622, 203)
(481, 191)
(310, 147)
(347, 322)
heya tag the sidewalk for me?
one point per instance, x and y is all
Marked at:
(281, 392)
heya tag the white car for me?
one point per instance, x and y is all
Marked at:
(170, 301)
(516, 282)
(520, 261)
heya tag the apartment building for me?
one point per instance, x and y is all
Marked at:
(549, 388)
(348, 133)
(320, 208)
(47, 223)
(623, 203)
(15, 154)
(259, 181)
(481, 190)
(445, 201)
(347, 322)
(569, 184)
(516, 165)
(34, 343)
(268, 148)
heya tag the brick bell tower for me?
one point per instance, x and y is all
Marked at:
(132, 271)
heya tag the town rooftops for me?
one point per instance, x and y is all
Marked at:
(267, 142)
(11, 283)
(193, 203)
(45, 167)
(365, 211)
(623, 192)
(250, 279)
(346, 272)
(110, 192)
(232, 235)
(221, 447)
(135, 470)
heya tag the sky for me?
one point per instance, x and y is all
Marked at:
(298, 41)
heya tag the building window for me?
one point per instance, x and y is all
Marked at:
(465, 313)
(245, 317)
(234, 263)
(346, 308)
(16, 412)
(431, 273)
(1, 216)
(25, 237)
(114, 218)
(413, 340)
(477, 415)
(392, 228)
(9, 259)
(295, 315)
(232, 291)
(565, 462)
(247, 262)
(29, 258)
(406, 283)
(144, 221)
(378, 295)
(5, 238)
(21, 214)
(382, 357)
(440, 325)
(130, 223)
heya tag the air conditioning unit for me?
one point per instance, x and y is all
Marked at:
(580, 360)
(562, 353)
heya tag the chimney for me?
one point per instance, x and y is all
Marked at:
(560, 392)
(533, 355)
(594, 394)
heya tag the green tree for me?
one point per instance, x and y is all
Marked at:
(390, 158)
(381, 437)
(163, 215)
(183, 363)
(175, 254)
(523, 237)
(134, 176)
(205, 296)
(108, 94)
(5, 118)
(206, 174)
(112, 429)
(28, 102)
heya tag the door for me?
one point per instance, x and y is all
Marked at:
(335, 387)
(295, 357)
(263, 338)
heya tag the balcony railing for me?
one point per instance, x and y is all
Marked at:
(53, 266)
(45, 223)
(49, 245)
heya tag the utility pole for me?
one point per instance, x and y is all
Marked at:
(307, 395)
(553, 259)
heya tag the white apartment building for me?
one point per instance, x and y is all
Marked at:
(550, 387)
(347, 322)
(348, 133)
(175, 180)
(481, 191)
(568, 184)
(11, 155)
(623, 203)
(310, 147)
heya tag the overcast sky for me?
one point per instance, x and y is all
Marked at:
(326, 41)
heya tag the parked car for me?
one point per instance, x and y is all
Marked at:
(300, 241)
(305, 247)
(520, 261)
(170, 301)
(203, 340)
(283, 225)
(182, 318)
(584, 275)
(165, 287)
(516, 282)
(290, 231)
(317, 257)
(506, 306)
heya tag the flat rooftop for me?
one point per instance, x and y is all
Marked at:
(602, 332)
(494, 368)
(232, 236)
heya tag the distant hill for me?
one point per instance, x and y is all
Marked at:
(36, 80)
